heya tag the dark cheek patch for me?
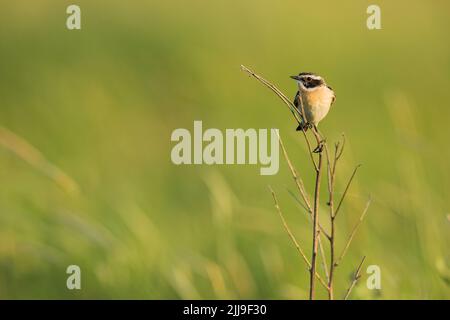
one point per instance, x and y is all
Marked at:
(313, 83)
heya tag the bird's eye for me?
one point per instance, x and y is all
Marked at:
(308, 79)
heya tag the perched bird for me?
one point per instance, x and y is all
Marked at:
(316, 96)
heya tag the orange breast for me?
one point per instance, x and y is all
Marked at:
(317, 103)
(319, 97)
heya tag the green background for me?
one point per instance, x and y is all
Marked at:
(85, 124)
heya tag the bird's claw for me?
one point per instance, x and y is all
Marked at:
(304, 127)
(319, 147)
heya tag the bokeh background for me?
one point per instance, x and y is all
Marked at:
(85, 124)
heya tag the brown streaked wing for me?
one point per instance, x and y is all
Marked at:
(297, 95)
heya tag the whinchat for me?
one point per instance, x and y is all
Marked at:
(316, 98)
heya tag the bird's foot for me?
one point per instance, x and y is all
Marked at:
(319, 147)
(304, 127)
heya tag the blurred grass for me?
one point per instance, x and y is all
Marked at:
(99, 104)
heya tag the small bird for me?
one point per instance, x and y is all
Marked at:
(317, 98)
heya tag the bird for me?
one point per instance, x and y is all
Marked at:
(315, 96)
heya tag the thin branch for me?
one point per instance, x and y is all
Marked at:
(288, 230)
(329, 171)
(299, 183)
(355, 278)
(322, 252)
(294, 240)
(316, 229)
(298, 180)
(298, 117)
(317, 134)
(307, 214)
(323, 259)
(355, 228)
(310, 151)
(331, 166)
(339, 154)
(301, 189)
(346, 189)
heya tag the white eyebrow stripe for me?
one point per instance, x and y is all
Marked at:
(302, 86)
(313, 76)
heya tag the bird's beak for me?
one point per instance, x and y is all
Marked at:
(296, 78)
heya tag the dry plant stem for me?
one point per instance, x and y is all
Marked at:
(300, 186)
(298, 180)
(294, 196)
(331, 171)
(355, 278)
(316, 230)
(331, 166)
(352, 234)
(303, 194)
(346, 189)
(294, 240)
(322, 255)
(310, 150)
(298, 117)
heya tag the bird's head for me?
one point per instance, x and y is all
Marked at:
(308, 80)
